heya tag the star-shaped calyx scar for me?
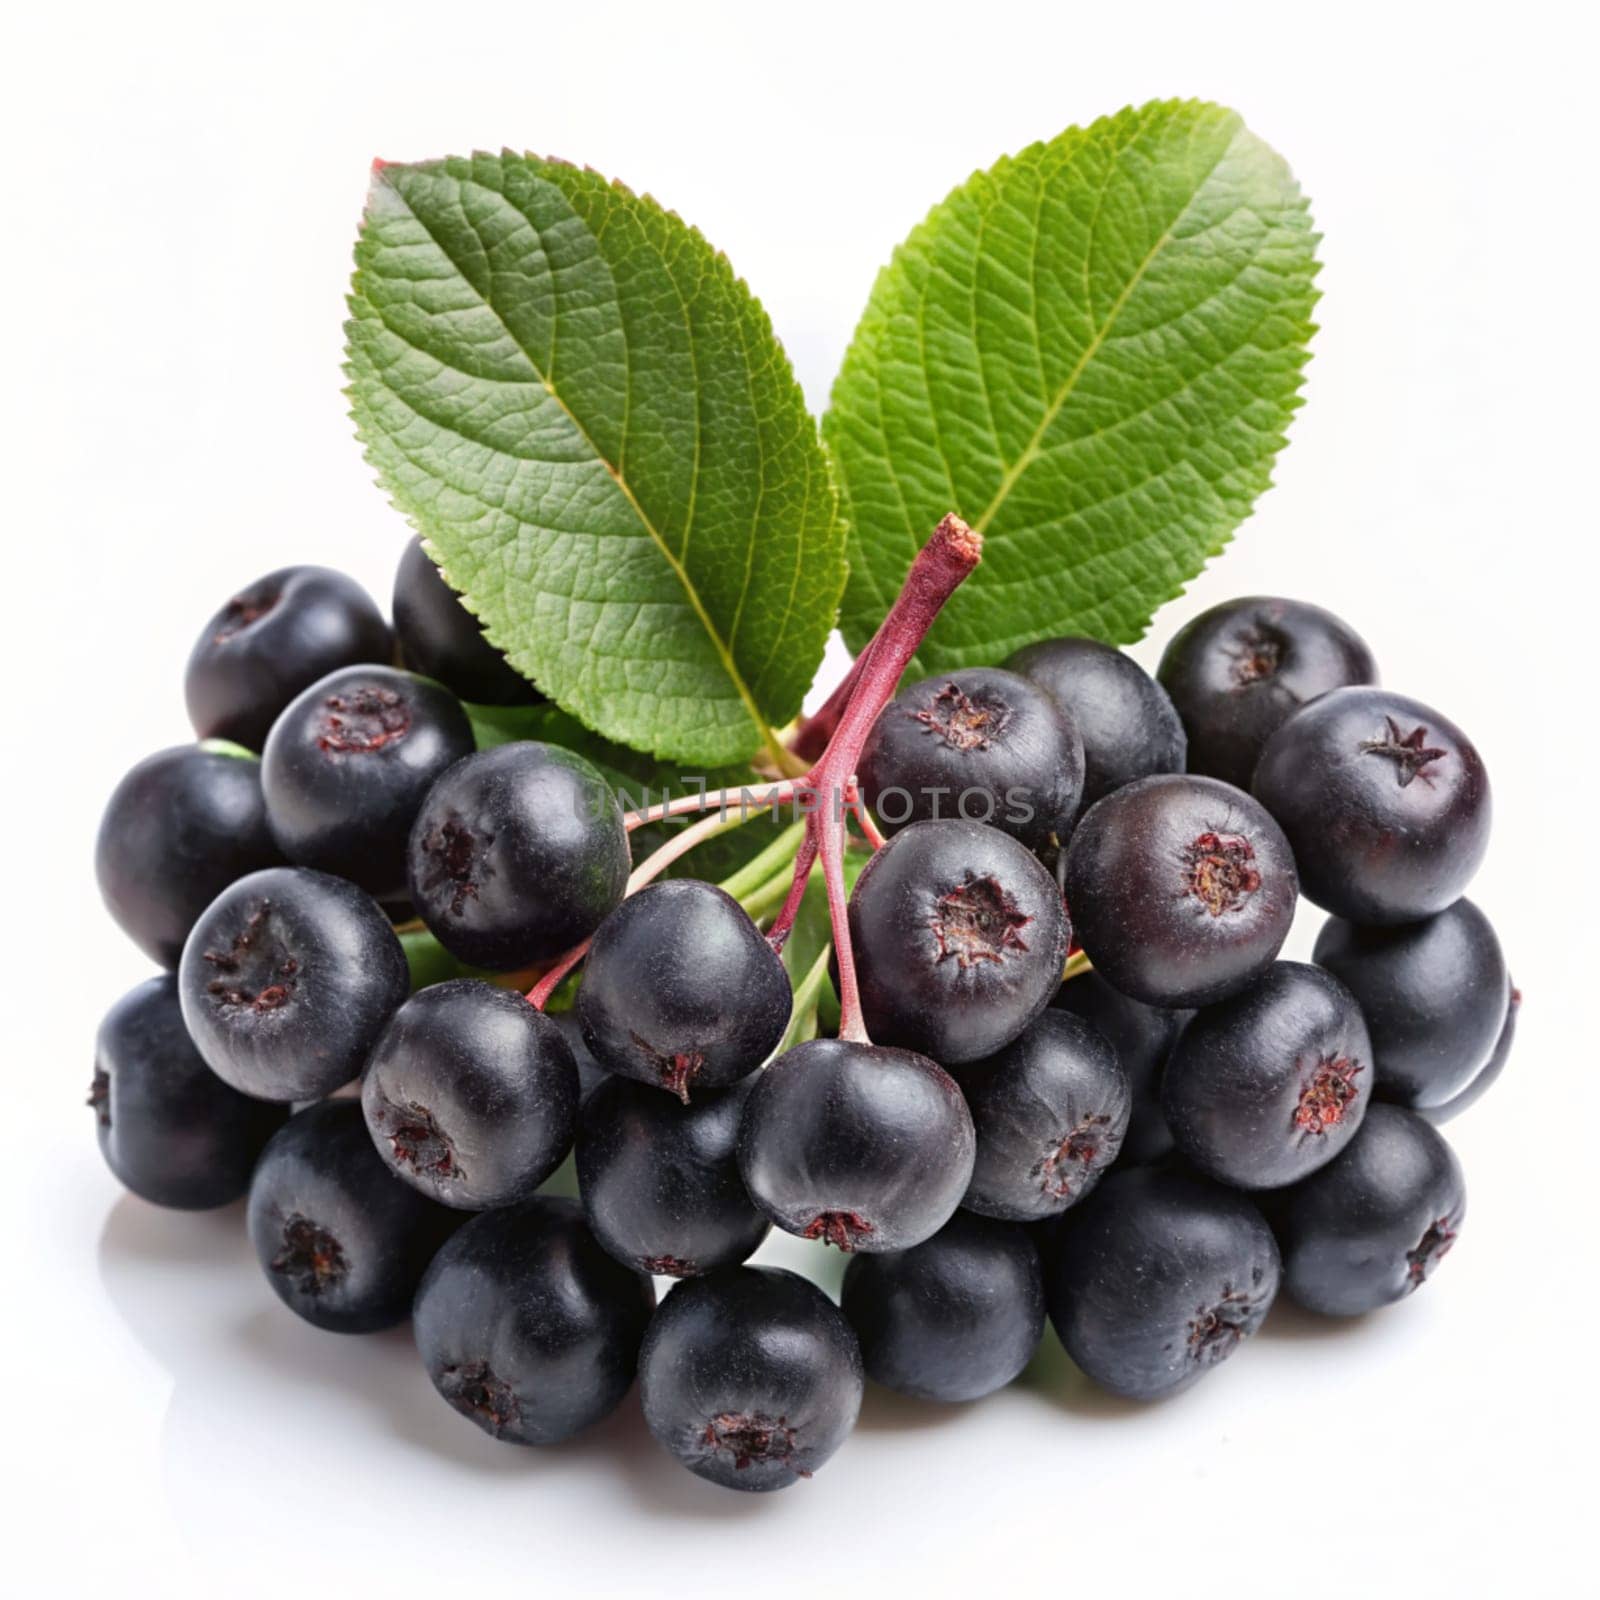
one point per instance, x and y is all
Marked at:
(1410, 752)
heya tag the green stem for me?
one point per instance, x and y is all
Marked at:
(777, 857)
(765, 900)
(806, 995)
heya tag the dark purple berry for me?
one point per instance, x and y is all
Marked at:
(346, 768)
(178, 829)
(1049, 1110)
(953, 1318)
(660, 1180)
(1129, 726)
(1371, 1226)
(170, 1129)
(1237, 672)
(1435, 995)
(860, 1146)
(517, 854)
(959, 939)
(1157, 1278)
(750, 1377)
(1267, 1086)
(287, 980)
(981, 744)
(273, 639)
(1182, 890)
(681, 991)
(342, 1241)
(441, 639)
(527, 1327)
(1385, 802)
(471, 1095)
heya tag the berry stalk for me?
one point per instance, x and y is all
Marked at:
(939, 569)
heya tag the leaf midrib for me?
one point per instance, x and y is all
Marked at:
(1030, 451)
(724, 654)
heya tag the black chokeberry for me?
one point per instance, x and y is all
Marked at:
(1237, 672)
(273, 639)
(681, 991)
(527, 1327)
(342, 1241)
(1385, 802)
(346, 768)
(750, 1377)
(1488, 1074)
(178, 829)
(1129, 726)
(1050, 1110)
(1182, 889)
(953, 1318)
(441, 639)
(170, 1129)
(959, 938)
(471, 1095)
(1435, 995)
(1267, 1086)
(1143, 1037)
(660, 1180)
(517, 854)
(287, 980)
(981, 744)
(1372, 1225)
(1157, 1278)
(864, 1147)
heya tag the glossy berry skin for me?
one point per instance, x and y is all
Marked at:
(1129, 726)
(342, 1241)
(1182, 889)
(1435, 994)
(981, 744)
(864, 1147)
(1157, 1278)
(1049, 1110)
(441, 639)
(170, 1129)
(471, 1096)
(660, 1181)
(178, 829)
(1266, 1087)
(750, 1377)
(346, 768)
(1385, 802)
(681, 990)
(1143, 1037)
(953, 1318)
(517, 854)
(287, 980)
(1237, 672)
(1371, 1226)
(527, 1327)
(959, 937)
(273, 639)
(1490, 1072)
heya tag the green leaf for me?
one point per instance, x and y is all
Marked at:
(1091, 352)
(588, 416)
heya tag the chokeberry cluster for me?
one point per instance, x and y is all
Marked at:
(1050, 1069)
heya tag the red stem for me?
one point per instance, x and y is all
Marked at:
(938, 570)
(830, 788)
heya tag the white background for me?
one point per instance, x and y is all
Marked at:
(181, 194)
